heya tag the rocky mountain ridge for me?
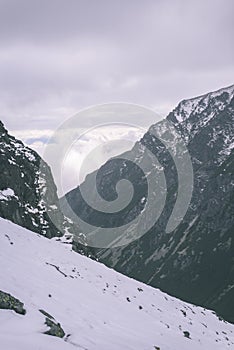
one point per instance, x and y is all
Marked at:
(195, 262)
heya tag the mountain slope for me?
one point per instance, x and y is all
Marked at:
(195, 261)
(95, 307)
(23, 178)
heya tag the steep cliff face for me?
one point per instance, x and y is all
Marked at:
(195, 261)
(24, 176)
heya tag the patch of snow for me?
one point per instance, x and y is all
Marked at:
(30, 156)
(53, 206)
(7, 193)
(11, 162)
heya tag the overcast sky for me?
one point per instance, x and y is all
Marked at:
(58, 56)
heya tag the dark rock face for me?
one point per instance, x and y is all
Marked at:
(23, 177)
(195, 262)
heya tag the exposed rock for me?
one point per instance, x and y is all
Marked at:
(9, 302)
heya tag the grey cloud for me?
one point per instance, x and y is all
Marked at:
(59, 56)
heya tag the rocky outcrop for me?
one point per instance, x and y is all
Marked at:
(8, 302)
(28, 195)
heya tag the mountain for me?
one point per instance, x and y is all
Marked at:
(53, 298)
(194, 262)
(24, 177)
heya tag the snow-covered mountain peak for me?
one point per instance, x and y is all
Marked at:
(197, 105)
(95, 307)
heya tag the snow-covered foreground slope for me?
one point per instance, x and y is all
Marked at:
(98, 308)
